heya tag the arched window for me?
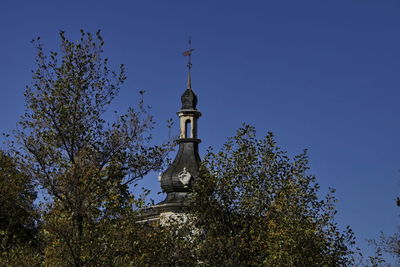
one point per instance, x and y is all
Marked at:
(188, 128)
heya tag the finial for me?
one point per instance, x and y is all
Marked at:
(188, 53)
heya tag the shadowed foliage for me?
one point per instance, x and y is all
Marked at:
(18, 214)
(82, 164)
(254, 206)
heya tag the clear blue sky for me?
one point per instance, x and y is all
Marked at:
(322, 75)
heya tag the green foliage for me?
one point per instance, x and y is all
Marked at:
(18, 215)
(256, 207)
(83, 164)
(386, 245)
(17, 212)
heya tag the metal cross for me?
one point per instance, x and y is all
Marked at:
(188, 53)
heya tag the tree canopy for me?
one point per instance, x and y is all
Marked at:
(18, 217)
(386, 245)
(254, 206)
(83, 164)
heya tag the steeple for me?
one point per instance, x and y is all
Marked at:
(177, 180)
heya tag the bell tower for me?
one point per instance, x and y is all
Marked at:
(177, 180)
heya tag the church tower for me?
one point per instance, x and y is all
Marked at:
(178, 179)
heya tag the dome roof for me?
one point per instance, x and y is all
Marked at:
(189, 99)
(187, 162)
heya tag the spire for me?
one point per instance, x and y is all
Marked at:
(189, 82)
(188, 53)
(177, 180)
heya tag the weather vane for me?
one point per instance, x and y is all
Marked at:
(188, 53)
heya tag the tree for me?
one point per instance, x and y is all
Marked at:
(83, 164)
(254, 206)
(18, 216)
(386, 245)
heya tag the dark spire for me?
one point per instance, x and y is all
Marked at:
(177, 180)
(188, 53)
(189, 82)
